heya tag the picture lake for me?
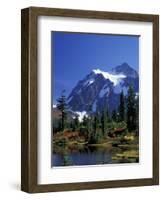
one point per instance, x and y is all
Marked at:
(93, 155)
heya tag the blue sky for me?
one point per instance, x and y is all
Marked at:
(74, 55)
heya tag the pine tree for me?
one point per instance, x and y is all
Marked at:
(137, 113)
(96, 123)
(108, 115)
(104, 123)
(62, 106)
(85, 121)
(121, 107)
(131, 109)
(89, 128)
(98, 134)
(90, 120)
(76, 123)
(114, 115)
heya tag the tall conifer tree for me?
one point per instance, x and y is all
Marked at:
(131, 109)
(62, 106)
(121, 107)
(104, 123)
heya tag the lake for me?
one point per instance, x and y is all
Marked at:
(90, 155)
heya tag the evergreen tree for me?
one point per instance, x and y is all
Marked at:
(104, 123)
(121, 107)
(114, 115)
(137, 113)
(90, 124)
(96, 123)
(62, 106)
(131, 109)
(93, 134)
(72, 126)
(85, 121)
(108, 116)
(76, 123)
(98, 134)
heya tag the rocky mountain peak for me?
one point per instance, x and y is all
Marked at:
(100, 88)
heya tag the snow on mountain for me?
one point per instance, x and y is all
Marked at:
(81, 115)
(54, 105)
(100, 89)
(89, 82)
(112, 77)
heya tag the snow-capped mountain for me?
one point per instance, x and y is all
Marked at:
(101, 89)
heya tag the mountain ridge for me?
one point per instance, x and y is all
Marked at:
(101, 89)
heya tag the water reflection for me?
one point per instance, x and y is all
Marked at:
(89, 155)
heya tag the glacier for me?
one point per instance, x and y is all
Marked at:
(115, 79)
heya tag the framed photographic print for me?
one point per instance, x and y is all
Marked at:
(90, 100)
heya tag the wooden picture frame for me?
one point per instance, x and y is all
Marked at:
(29, 135)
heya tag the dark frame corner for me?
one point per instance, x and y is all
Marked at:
(29, 98)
